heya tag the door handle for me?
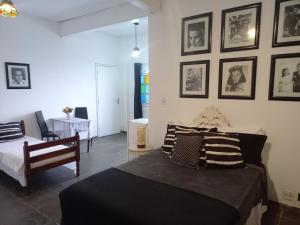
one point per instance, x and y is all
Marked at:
(118, 101)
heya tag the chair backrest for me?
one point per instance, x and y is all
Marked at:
(41, 121)
(81, 112)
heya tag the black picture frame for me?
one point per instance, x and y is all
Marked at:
(285, 61)
(279, 20)
(237, 92)
(207, 36)
(224, 36)
(17, 75)
(202, 80)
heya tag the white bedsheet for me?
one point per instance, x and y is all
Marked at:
(12, 158)
(256, 214)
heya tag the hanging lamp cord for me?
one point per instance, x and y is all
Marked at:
(135, 34)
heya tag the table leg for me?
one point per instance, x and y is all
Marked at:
(89, 137)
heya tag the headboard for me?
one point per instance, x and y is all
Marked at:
(211, 117)
(22, 126)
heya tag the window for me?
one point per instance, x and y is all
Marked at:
(145, 80)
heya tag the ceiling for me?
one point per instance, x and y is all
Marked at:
(126, 29)
(74, 16)
(62, 10)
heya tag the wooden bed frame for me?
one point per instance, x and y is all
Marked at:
(74, 143)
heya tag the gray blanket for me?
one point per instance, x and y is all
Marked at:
(240, 188)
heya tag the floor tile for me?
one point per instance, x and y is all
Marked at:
(292, 213)
(288, 221)
(40, 198)
(270, 219)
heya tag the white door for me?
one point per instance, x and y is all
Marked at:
(108, 107)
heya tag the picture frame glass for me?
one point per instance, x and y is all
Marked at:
(288, 29)
(287, 77)
(194, 79)
(18, 76)
(240, 28)
(196, 34)
(237, 78)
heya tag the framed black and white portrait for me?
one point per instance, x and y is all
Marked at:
(286, 23)
(17, 75)
(237, 78)
(196, 34)
(240, 28)
(285, 77)
(194, 79)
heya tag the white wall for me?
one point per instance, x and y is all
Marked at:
(62, 69)
(127, 71)
(280, 119)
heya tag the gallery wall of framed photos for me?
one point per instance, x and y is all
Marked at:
(240, 33)
(280, 119)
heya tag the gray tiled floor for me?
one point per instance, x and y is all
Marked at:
(41, 205)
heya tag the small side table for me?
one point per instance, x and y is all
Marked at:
(137, 152)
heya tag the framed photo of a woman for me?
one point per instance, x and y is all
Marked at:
(286, 23)
(240, 28)
(237, 78)
(194, 79)
(17, 75)
(285, 77)
(196, 34)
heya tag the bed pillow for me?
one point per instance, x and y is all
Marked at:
(169, 140)
(172, 130)
(223, 151)
(187, 150)
(252, 146)
(10, 132)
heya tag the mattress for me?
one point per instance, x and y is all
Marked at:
(12, 158)
(117, 197)
(240, 189)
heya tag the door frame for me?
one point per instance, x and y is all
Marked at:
(97, 92)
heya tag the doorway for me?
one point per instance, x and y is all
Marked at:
(108, 100)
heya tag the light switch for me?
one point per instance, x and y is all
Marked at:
(163, 101)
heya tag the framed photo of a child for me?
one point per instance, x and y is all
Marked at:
(285, 77)
(286, 23)
(237, 78)
(196, 34)
(194, 79)
(240, 28)
(17, 75)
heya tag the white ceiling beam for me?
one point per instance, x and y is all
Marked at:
(121, 13)
(149, 5)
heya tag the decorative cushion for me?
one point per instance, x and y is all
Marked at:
(173, 130)
(252, 146)
(223, 151)
(10, 132)
(168, 145)
(187, 150)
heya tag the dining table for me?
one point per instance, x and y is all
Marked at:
(71, 125)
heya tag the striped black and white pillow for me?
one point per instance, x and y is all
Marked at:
(173, 130)
(223, 151)
(187, 150)
(168, 145)
(10, 132)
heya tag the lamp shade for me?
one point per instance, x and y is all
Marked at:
(7, 9)
(136, 52)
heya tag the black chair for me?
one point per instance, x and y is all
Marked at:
(82, 113)
(45, 133)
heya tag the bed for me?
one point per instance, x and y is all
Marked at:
(152, 190)
(26, 156)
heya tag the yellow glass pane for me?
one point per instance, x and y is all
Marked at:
(147, 79)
